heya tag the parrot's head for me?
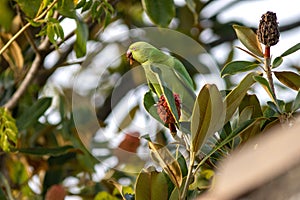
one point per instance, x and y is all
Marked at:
(140, 52)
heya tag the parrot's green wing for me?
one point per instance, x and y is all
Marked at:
(182, 73)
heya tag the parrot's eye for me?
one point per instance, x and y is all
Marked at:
(130, 57)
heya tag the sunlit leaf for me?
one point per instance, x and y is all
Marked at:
(288, 78)
(265, 84)
(33, 113)
(249, 39)
(151, 186)
(234, 98)
(8, 131)
(291, 50)
(208, 116)
(105, 196)
(165, 159)
(81, 38)
(160, 12)
(238, 66)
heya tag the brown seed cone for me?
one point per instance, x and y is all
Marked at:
(165, 113)
(268, 31)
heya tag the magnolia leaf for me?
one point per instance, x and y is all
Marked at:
(238, 66)
(249, 39)
(165, 159)
(151, 186)
(251, 100)
(149, 104)
(234, 98)
(277, 62)
(246, 114)
(290, 79)
(160, 12)
(291, 50)
(207, 117)
(265, 84)
(296, 103)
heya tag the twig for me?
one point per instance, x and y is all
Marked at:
(22, 88)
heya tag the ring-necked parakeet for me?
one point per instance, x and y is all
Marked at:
(165, 75)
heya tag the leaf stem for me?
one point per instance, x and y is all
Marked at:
(189, 175)
(269, 71)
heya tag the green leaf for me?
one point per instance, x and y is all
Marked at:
(249, 39)
(5, 188)
(296, 103)
(251, 100)
(207, 117)
(234, 98)
(151, 186)
(33, 113)
(149, 104)
(66, 8)
(8, 131)
(291, 50)
(238, 66)
(277, 62)
(41, 151)
(160, 12)
(290, 79)
(263, 82)
(105, 196)
(246, 114)
(82, 33)
(29, 7)
(165, 159)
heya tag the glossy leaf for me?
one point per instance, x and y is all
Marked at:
(251, 130)
(249, 39)
(82, 33)
(151, 186)
(288, 78)
(291, 50)
(265, 84)
(207, 117)
(296, 103)
(165, 159)
(8, 131)
(251, 100)
(33, 113)
(234, 98)
(149, 104)
(160, 12)
(277, 62)
(238, 66)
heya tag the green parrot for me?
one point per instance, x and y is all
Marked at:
(166, 76)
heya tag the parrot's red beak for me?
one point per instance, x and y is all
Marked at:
(130, 57)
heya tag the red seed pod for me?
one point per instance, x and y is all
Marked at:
(165, 113)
